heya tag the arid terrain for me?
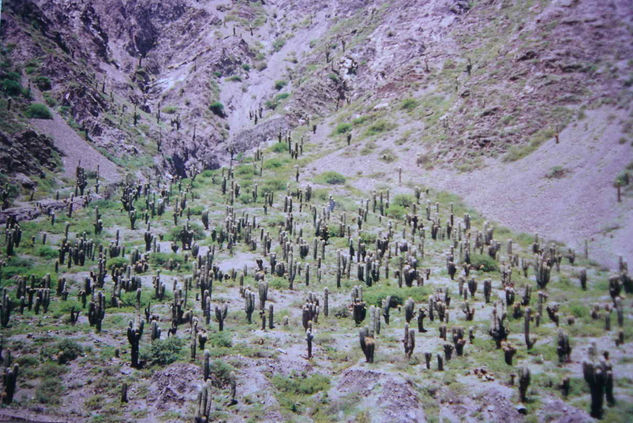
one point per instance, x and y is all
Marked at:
(280, 210)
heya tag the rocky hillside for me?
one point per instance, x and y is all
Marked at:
(316, 211)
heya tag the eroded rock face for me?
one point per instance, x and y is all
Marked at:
(28, 153)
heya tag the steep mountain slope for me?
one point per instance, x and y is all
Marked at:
(457, 85)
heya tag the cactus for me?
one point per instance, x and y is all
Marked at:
(220, 315)
(367, 344)
(5, 308)
(207, 366)
(96, 311)
(508, 352)
(409, 310)
(583, 279)
(124, 389)
(563, 349)
(249, 304)
(9, 379)
(458, 340)
(263, 294)
(205, 403)
(498, 331)
(271, 324)
(596, 378)
(155, 330)
(487, 289)
(134, 337)
(421, 316)
(524, 382)
(526, 328)
(408, 341)
(326, 295)
(309, 338)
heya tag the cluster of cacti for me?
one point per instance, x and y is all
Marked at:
(134, 335)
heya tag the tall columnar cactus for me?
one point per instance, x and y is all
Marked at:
(564, 348)
(96, 311)
(263, 294)
(524, 383)
(205, 403)
(5, 308)
(249, 304)
(134, 335)
(9, 379)
(326, 302)
(596, 378)
(309, 338)
(508, 352)
(409, 310)
(526, 328)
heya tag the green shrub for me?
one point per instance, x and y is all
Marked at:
(281, 96)
(484, 262)
(379, 127)
(278, 44)
(166, 351)
(49, 391)
(374, 294)
(246, 67)
(272, 185)
(409, 104)
(170, 110)
(343, 128)
(43, 83)
(280, 84)
(234, 78)
(396, 211)
(333, 77)
(296, 384)
(38, 111)
(331, 177)
(221, 339)
(117, 263)
(275, 163)
(11, 87)
(403, 200)
(220, 372)
(175, 233)
(63, 351)
(47, 252)
(217, 108)
(279, 147)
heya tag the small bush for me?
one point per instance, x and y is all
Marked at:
(396, 211)
(11, 87)
(296, 384)
(280, 84)
(47, 252)
(484, 262)
(234, 78)
(221, 339)
(556, 172)
(272, 185)
(275, 163)
(170, 110)
(331, 177)
(409, 104)
(217, 108)
(374, 295)
(246, 67)
(49, 391)
(403, 200)
(65, 351)
(43, 83)
(175, 233)
(166, 351)
(279, 147)
(220, 372)
(278, 44)
(38, 111)
(343, 128)
(379, 127)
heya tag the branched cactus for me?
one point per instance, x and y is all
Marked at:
(409, 310)
(508, 352)
(408, 341)
(205, 402)
(220, 315)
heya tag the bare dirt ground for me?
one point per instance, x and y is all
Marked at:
(75, 149)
